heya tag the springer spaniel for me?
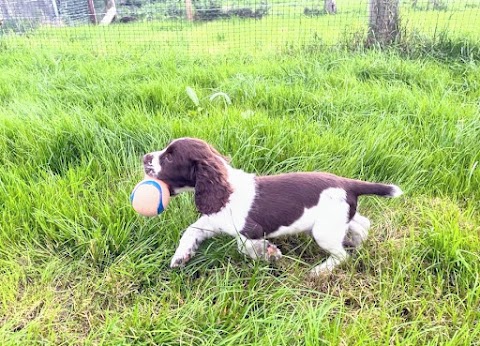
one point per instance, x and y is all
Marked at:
(254, 208)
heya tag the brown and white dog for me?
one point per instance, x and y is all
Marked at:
(255, 208)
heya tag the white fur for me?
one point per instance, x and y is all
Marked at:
(157, 168)
(258, 248)
(327, 221)
(304, 223)
(183, 189)
(236, 211)
(396, 191)
(191, 240)
(230, 219)
(330, 227)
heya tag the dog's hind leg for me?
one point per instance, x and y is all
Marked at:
(330, 228)
(357, 230)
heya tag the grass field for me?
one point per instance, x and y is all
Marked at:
(78, 266)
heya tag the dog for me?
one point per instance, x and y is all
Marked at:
(255, 209)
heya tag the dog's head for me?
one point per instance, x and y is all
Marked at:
(192, 164)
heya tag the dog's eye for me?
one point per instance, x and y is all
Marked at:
(168, 157)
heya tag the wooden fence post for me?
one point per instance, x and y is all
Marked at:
(110, 12)
(91, 11)
(189, 9)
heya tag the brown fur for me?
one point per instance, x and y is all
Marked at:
(280, 199)
(194, 163)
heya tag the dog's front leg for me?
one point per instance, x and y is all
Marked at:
(191, 239)
(258, 249)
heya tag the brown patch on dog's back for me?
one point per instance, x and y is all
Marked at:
(282, 199)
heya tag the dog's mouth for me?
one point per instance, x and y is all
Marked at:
(148, 166)
(149, 171)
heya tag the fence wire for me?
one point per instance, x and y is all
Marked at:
(213, 25)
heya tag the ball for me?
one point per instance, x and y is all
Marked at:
(150, 197)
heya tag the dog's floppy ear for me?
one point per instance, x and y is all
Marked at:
(212, 189)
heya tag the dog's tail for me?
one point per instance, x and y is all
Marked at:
(359, 188)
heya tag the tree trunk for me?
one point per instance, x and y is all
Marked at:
(330, 6)
(383, 28)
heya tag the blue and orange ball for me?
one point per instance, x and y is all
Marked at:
(150, 197)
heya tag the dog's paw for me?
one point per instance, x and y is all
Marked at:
(319, 272)
(180, 258)
(273, 253)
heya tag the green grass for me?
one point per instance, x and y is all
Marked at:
(78, 266)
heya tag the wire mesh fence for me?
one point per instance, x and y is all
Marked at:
(213, 25)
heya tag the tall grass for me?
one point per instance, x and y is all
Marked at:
(78, 266)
